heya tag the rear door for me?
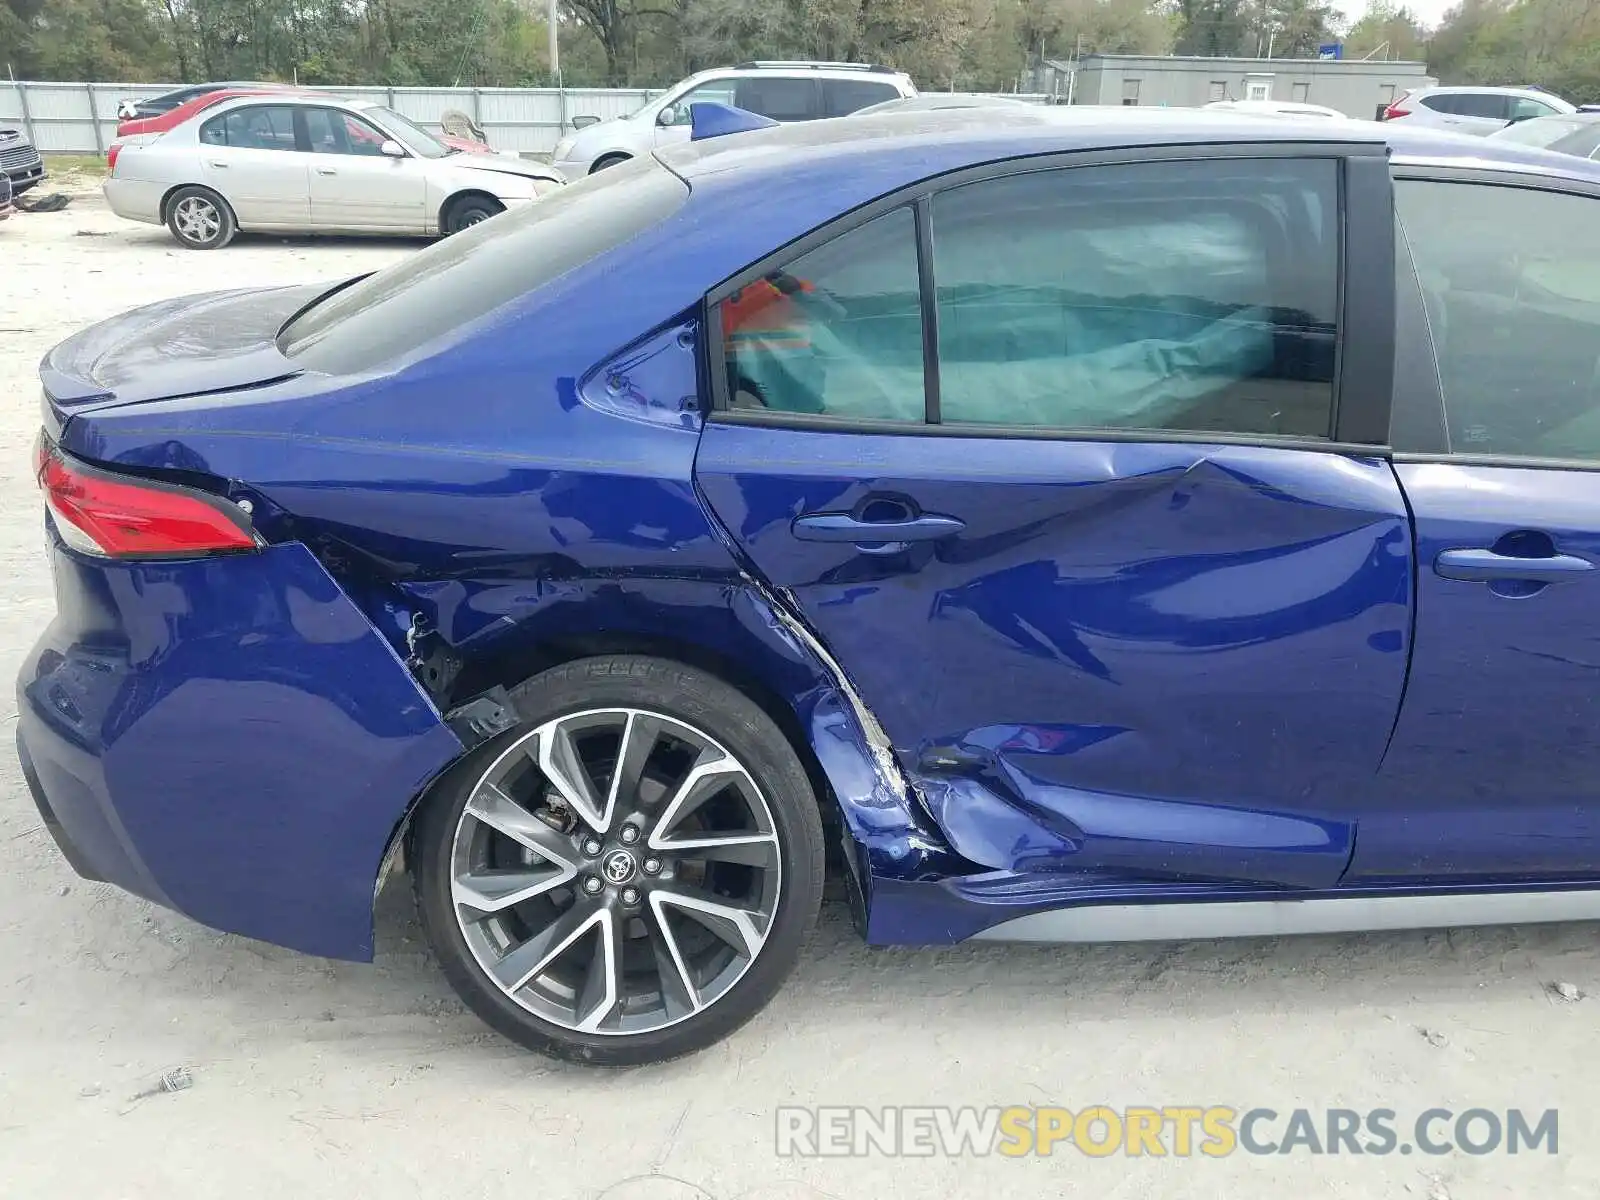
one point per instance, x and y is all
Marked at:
(1050, 460)
(249, 156)
(1494, 771)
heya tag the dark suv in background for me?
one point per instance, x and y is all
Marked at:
(19, 160)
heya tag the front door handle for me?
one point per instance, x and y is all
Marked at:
(1485, 566)
(326, 171)
(842, 527)
(219, 164)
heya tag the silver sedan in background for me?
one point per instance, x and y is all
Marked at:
(312, 165)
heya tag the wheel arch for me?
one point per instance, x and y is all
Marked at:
(460, 195)
(610, 158)
(532, 660)
(864, 799)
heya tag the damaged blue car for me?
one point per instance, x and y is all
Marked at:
(1065, 525)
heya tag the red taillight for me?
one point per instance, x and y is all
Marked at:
(118, 516)
(111, 157)
(1397, 108)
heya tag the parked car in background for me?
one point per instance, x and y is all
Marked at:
(1475, 110)
(295, 164)
(1571, 133)
(939, 101)
(6, 206)
(780, 91)
(1276, 108)
(128, 110)
(19, 160)
(147, 129)
(595, 561)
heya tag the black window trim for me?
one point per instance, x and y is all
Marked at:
(1364, 358)
(1526, 181)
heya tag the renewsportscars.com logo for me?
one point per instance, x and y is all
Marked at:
(1210, 1131)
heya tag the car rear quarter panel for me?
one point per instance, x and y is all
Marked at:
(230, 737)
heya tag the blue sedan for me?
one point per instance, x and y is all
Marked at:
(1062, 525)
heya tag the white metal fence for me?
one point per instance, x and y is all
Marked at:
(81, 118)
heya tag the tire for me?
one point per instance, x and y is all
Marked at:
(608, 160)
(200, 219)
(469, 211)
(705, 906)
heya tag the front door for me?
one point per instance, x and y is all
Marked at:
(354, 184)
(1494, 772)
(249, 157)
(1085, 551)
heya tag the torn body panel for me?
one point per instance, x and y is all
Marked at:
(1140, 660)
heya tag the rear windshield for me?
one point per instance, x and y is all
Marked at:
(454, 282)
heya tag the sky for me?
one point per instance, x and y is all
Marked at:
(1427, 11)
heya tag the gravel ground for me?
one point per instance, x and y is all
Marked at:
(317, 1078)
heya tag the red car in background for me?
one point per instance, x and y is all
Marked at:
(149, 128)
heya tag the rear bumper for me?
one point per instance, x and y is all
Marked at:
(135, 199)
(228, 737)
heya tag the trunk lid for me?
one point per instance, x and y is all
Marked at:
(220, 341)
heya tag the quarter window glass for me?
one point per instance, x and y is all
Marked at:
(780, 98)
(1447, 103)
(1193, 296)
(837, 331)
(845, 96)
(1512, 283)
(251, 129)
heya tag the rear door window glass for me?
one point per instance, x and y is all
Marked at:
(777, 96)
(1195, 296)
(263, 127)
(1484, 104)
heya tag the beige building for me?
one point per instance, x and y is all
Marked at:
(1357, 88)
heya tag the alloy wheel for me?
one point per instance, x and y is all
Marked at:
(197, 219)
(615, 871)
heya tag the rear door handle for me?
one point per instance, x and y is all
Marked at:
(1485, 566)
(842, 527)
(326, 171)
(219, 164)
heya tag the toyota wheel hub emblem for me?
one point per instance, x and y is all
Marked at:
(618, 867)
